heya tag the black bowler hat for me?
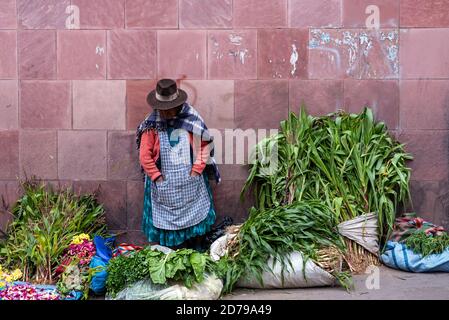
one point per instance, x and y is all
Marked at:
(166, 96)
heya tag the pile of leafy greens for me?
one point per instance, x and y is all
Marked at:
(426, 244)
(184, 265)
(305, 226)
(45, 221)
(350, 162)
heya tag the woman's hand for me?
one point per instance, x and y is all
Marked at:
(159, 180)
(194, 174)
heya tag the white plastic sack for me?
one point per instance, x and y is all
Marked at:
(209, 289)
(163, 249)
(293, 278)
(362, 230)
(219, 247)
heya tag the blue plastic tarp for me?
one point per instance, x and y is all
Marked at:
(100, 260)
(399, 256)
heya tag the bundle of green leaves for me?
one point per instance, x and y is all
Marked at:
(426, 244)
(184, 265)
(348, 161)
(305, 226)
(44, 225)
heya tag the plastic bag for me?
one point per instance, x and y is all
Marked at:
(362, 230)
(209, 289)
(220, 246)
(100, 260)
(399, 256)
(293, 278)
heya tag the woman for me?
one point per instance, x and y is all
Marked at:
(175, 154)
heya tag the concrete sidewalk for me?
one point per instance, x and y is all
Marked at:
(393, 284)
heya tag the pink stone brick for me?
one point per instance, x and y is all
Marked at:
(112, 194)
(359, 54)
(10, 192)
(205, 13)
(260, 14)
(38, 155)
(213, 99)
(431, 201)
(182, 54)
(227, 201)
(8, 55)
(42, 14)
(152, 14)
(45, 104)
(9, 157)
(136, 237)
(123, 157)
(282, 53)
(232, 54)
(99, 104)
(424, 104)
(319, 96)
(82, 155)
(315, 13)
(9, 118)
(81, 54)
(260, 103)
(359, 14)
(37, 54)
(429, 149)
(101, 14)
(59, 185)
(233, 172)
(424, 13)
(134, 200)
(137, 107)
(131, 54)
(382, 96)
(424, 53)
(8, 17)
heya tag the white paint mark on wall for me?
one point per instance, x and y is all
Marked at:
(235, 39)
(357, 47)
(197, 56)
(294, 58)
(240, 54)
(97, 66)
(99, 50)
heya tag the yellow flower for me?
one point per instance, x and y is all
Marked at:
(7, 276)
(80, 238)
(17, 274)
(2, 284)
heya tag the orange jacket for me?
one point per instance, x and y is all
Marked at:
(150, 148)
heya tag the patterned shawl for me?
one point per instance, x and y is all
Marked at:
(188, 119)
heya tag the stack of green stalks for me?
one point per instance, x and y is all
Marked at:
(348, 161)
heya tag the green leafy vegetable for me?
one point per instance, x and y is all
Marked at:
(348, 161)
(426, 244)
(305, 226)
(185, 265)
(45, 221)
